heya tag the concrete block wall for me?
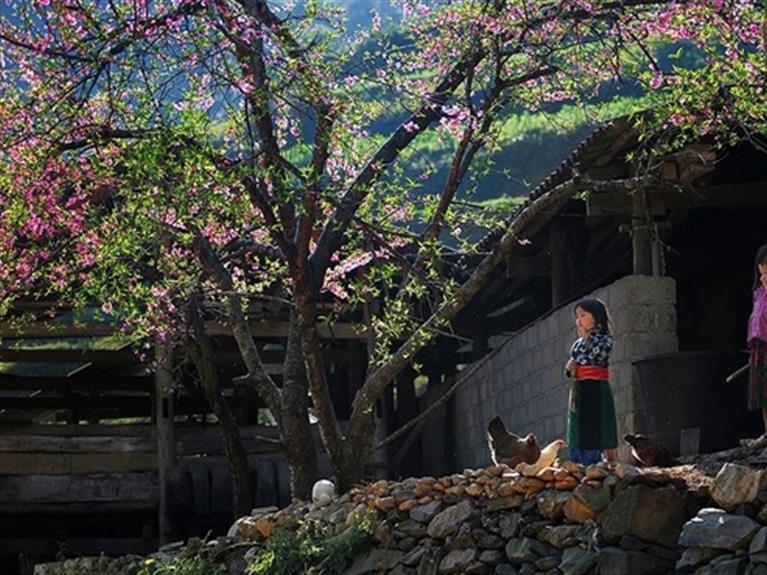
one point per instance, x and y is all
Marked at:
(523, 380)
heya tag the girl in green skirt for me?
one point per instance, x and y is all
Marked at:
(591, 424)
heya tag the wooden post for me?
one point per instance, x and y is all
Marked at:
(560, 274)
(640, 234)
(166, 444)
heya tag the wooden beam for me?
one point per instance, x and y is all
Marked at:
(660, 201)
(101, 488)
(61, 445)
(166, 445)
(560, 273)
(67, 356)
(126, 383)
(260, 329)
(37, 402)
(75, 463)
(641, 243)
(44, 330)
(50, 547)
(280, 329)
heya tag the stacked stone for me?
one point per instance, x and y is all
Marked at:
(731, 537)
(566, 520)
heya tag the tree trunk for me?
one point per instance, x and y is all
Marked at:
(296, 431)
(357, 450)
(202, 355)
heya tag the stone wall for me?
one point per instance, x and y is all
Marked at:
(523, 381)
(564, 520)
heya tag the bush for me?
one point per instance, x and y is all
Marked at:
(311, 549)
(182, 566)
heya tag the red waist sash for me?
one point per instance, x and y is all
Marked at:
(592, 372)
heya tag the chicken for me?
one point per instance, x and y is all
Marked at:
(508, 448)
(549, 453)
(649, 452)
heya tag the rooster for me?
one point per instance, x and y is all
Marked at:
(549, 453)
(649, 452)
(508, 448)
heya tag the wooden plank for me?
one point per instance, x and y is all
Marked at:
(45, 330)
(75, 463)
(183, 431)
(119, 487)
(54, 444)
(79, 404)
(74, 383)
(265, 328)
(67, 356)
(70, 510)
(280, 329)
(113, 546)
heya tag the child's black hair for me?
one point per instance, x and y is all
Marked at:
(596, 308)
(761, 258)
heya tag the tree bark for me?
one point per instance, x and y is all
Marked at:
(296, 432)
(201, 352)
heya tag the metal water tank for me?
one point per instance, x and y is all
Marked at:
(687, 391)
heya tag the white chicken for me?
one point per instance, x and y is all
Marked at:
(549, 453)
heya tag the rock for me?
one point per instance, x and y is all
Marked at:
(384, 503)
(489, 541)
(526, 550)
(446, 522)
(724, 566)
(615, 561)
(577, 511)
(559, 536)
(510, 525)
(575, 469)
(759, 542)
(548, 563)
(736, 484)
(505, 569)
(246, 527)
(652, 515)
(595, 499)
(265, 527)
(715, 528)
(414, 557)
(626, 471)
(429, 564)
(551, 504)
(491, 557)
(693, 557)
(375, 561)
(425, 513)
(630, 543)
(464, 539)
(509, 502)
(474, 490)
(576, 561)
(596, 471)
(410, 528)
(457, 561)
(478, 568)
(407, 544)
